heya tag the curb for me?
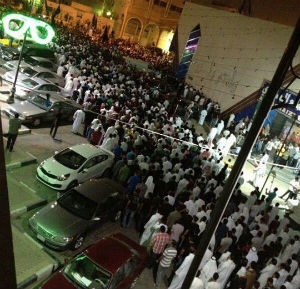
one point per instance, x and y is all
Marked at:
(21, 132)
(39, 275)
(20, 164)
(22, 210)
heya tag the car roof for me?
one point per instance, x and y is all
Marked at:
(99, 189)
(109, 253)
(37, 58)
(37, 79)
(57, 97)
(88, 150)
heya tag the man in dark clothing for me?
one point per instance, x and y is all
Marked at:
(56, 123)
(89, 116)
(13, 130)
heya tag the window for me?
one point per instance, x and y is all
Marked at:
(30, 83)
(90, 163)
(28, 71)
(70, 159)
(45, 75)
(78, 204)
(49, 87)
(83, 272)
(46, 64)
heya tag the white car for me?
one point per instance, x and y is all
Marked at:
(34, 73)
(31, 61)
(74, 165)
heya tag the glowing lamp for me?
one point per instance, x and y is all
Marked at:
(35, 27)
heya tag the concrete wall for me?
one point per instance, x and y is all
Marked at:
(235, 52)
(280, 11)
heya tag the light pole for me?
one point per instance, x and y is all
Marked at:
(251, 137)
(11, 98)
(27, 24)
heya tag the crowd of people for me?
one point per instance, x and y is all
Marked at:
(173, 184)
(173, 174)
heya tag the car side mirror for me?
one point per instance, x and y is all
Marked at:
(56, 152)
(96, 219)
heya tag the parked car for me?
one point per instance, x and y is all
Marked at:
(34, 110)
(32, 86)
(12, 53)
(65, 223)
(34, 73)
(74, 165)
(115, 262)
(31, 61)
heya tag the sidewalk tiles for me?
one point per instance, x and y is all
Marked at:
(32, 263)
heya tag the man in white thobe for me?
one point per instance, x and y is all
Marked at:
(181, 272)
(203, 115)
(214, 283)
(78, 118)
(212, 134)
(209, 269)
(252, 256)
(220, 127)
(266, 273)
(225, 269)
(230, 120)
(197, 284)
(69, 85)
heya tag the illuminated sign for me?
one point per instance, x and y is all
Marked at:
(16, 25)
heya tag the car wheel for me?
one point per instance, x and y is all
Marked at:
(36, 122)
(78, 242)
(72, 185)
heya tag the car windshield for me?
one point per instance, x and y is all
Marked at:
(86, 274)
(70, 159)
(39, 101)
(78, 204)
(30, 83)
(30, 61)
(28, 71)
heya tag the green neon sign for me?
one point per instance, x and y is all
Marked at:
(32, 25)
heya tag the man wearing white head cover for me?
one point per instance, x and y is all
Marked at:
(225, 269)
(252, 256)
(203, 115)
(266, 273)
(209, 269)
(181, 272)
(220, 127)
(208, 254)
(197, 284)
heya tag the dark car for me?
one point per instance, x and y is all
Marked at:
(115, 262)
(12, 53)
(64, 223)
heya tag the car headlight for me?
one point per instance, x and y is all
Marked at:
(63, 177)
(33, 222)
(63, 240)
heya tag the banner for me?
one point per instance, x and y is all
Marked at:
(283, 97)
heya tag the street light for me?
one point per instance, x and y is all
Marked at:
(28, 24)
